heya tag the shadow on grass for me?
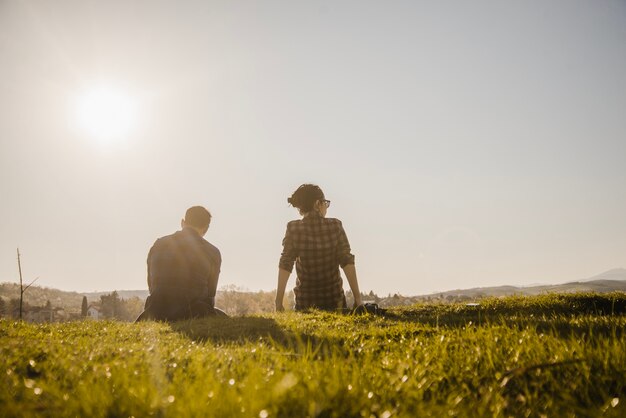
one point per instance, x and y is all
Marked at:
(243, 330)
(232, 329)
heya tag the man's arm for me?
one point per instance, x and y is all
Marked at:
(283, 277)
(148, 262)
(350, 271)
(217, 267)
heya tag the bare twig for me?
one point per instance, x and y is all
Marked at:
(22, 288)
(31, 283)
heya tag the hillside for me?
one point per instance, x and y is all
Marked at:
(556, 355)
(38, 296)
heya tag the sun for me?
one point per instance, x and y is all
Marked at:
(106, 114)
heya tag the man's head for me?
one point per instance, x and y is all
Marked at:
(197, 218)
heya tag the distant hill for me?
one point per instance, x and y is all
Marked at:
(38, 296)
(609, 281)
(615, 274)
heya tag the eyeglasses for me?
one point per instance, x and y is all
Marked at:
(326, 202)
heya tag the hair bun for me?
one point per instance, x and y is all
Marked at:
(289, 200)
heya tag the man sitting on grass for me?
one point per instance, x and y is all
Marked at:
(183, 269)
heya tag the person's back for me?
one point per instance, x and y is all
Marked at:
(183, 270)
(318, 246)
(183, 263)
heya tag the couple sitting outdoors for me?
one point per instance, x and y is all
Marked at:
(183, 268)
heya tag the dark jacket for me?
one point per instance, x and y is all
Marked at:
(183, 270)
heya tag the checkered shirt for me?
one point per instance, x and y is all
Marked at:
(318, 246)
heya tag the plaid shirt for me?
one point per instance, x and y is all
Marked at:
(318, 246)
(184, 264)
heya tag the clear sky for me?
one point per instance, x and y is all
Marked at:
(461, 143)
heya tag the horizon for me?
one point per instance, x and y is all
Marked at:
(366, 291)
(462, 145)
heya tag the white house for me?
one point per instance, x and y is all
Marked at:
(93, 312)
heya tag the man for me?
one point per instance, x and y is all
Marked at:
(183, 269)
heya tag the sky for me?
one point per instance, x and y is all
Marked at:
(462, 144)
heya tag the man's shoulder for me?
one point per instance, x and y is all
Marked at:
(210, 247)
(165, 239)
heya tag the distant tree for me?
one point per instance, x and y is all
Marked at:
(237, 301)
(131, 308)
(114, 307)
(110, 305)
(3, 307)
(84, 307)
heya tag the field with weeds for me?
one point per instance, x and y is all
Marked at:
(554, 356)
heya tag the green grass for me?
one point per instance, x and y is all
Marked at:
(558, 355)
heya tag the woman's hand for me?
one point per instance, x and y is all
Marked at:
(279, 306)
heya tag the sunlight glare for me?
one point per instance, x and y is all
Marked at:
(106, 114)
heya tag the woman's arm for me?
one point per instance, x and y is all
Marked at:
(350, 271)
(283, 276)
(285, 266)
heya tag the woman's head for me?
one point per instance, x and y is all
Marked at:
(307, 198)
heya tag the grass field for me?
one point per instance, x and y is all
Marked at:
(554, 356)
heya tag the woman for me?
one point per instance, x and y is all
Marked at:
(318, 246)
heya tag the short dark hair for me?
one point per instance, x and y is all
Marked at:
(198, 216)
(305, 196)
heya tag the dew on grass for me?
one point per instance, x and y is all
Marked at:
(349, 387)
(263, 413)
(210, 394)
(370, 395)
(385, 414)
(231, 382)
(32, 363)
(287, 382)
(29, 383)
(614, 402)
(171, 398)
(37, 391)
(405, 378)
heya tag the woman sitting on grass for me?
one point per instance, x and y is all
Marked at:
(318, 246)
